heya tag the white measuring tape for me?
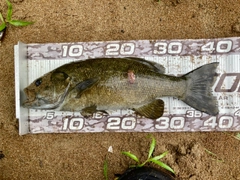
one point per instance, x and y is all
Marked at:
(177, 56)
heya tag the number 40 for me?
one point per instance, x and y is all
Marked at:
(224, 122)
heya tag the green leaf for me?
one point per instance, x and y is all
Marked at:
(132, 156)
(160, 156)
(163, 165)
(20, 23)
(9, 12)
(209, 152)
(237, 136)
(133, 166)
(152, 147)
(2, 26)
(1, 17)
(105, 170)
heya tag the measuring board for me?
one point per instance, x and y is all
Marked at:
(177, 56)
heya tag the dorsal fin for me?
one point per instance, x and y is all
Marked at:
(154, 66)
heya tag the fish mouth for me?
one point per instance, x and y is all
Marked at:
(31, 97)
(36, 103)
(32, 101)
(28, 103)
(41, 103)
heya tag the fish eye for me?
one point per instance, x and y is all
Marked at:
(38, 82)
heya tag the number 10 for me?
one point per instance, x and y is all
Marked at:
(75, 50)
(73, 124)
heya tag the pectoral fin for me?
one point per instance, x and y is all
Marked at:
(84, 85)
(152, 110)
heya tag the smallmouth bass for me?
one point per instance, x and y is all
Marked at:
(120, 83)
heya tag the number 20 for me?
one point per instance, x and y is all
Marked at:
(124, 49)
(116, 123)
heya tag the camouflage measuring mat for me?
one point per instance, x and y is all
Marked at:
(177, 56)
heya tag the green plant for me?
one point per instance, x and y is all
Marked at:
(237, 136)
(215, 157)
(105, 169)
(9, 19)
(155, 159)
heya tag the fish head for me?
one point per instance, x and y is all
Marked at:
(48, 91)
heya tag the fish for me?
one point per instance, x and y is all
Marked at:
(146, 173)
(105, 84)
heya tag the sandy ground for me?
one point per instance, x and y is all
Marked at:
(81, 156)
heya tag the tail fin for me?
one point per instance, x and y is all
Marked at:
(199, 89)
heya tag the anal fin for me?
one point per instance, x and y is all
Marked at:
(152, 110)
